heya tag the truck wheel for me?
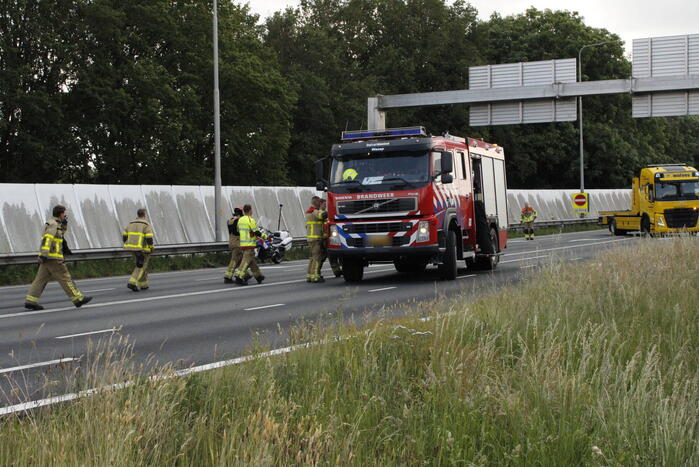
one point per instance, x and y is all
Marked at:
(352, 270)
(410, 266)
(489, 263)
(616, 232)
(448, 269)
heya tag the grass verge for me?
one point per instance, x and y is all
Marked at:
(24, 273)
(548, 372)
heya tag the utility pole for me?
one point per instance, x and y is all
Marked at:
(580, 118)
(217, 135)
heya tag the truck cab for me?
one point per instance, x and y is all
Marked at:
(403, 196)
(664, 199)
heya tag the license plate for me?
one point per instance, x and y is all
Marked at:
(380, 240)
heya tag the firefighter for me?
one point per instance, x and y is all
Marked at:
(528, 217)
(314, 238)
(138, 239)
(234, 245)
(324, 241)
(51, 266)
(248, 233)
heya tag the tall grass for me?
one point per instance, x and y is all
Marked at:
(593, 363)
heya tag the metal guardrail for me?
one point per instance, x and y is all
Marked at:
(117, 253)
(213, 247)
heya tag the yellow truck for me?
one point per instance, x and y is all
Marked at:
(664, 199)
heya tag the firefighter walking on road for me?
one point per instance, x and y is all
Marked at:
(234, 245)
(324, 241)
(528, 217)
(138, 239)
(248, 233)
(314, 238)
(51, 265)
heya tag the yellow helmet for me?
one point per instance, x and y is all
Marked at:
(349, 174)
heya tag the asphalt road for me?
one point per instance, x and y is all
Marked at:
(192, 317)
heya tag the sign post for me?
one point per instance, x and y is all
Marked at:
(581, 203)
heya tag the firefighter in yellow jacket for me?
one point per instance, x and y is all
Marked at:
(527, 218)
(51, 265)
(234, 245)
(314, 238)
(138, 239)
(248, 243)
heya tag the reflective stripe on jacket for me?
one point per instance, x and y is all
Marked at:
(247, 226)
(314, 223)
(528, 215)
(138, 236)
(52, 240)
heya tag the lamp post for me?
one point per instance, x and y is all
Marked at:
(217, 134)
(580, 118)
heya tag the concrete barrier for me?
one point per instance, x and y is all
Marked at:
(185, 214)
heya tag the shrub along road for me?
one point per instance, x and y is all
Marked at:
(191, 317)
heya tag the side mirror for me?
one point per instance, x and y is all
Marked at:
(321, 184)
(447, 162)
(650, 193)
(447, 178)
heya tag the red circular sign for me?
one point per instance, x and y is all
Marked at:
(579, 200)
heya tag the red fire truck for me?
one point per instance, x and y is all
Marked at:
(403, 196)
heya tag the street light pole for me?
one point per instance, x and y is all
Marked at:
(217, 135)
(580, 118)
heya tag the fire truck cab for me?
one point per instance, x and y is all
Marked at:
(402, 196)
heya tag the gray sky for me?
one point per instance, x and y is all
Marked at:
(630, 19)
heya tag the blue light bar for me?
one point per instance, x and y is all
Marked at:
(387, 133)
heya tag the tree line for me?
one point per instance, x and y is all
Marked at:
(120, 91)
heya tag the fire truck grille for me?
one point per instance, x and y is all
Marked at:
(681, 217)
(362, 242)
(377, 228)
(377, 206)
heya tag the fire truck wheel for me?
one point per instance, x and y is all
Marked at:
(645, 227)
(448, 269)
(410, 266)
(352, 270)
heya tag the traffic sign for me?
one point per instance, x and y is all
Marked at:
(581, 203)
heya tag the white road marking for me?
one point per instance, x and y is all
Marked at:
(112, 330)
(575, 259)
(382, 289)
(36, 365)
(528, 266)
(263, 307)
(569, 247)
(98, 290)
(524, 259)
(466, 277)
(582, 240)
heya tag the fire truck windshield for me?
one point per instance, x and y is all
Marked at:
(676, 191)
(379, 172)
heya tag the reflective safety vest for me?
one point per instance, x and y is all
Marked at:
(247, 226)
(315, 218)
(138, 236)
(52, 240)
(528, 215)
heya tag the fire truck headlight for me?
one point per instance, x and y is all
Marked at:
(334, 236)
(423, 231)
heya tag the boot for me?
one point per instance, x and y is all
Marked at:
(133, 287)
(228, 280)
(319, 279)
(85, 300)
(240, 281)
(33, 306)
(259, 279)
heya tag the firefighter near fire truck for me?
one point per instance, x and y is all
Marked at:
(51, 266)
(315, 220)
(138, 239)
(527, 217)
(403, 196)
(247, 226)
